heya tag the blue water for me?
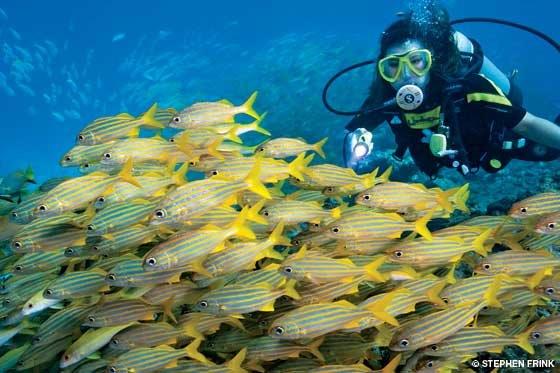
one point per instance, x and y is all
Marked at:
(63, 64)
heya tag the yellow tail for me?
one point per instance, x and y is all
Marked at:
(318, 147)
(290, 290)
(523, 342)
(297, 166)
(277, 237)
(420, 226)
(379, 307)
(372, 272)
(254, 183)
(393, 364)
(192, 351)
(234, 365)
(478, 243)
(253, 213)
(256, 125)
(126, 174)
(149, 120)
(248, 106)
(241, 230)
(179, 176)
(442, 198)
(213, 148)
(313, 348)
(231, 135)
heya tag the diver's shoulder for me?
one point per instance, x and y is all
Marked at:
(479, 83)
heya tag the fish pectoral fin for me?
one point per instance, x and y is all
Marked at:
(269, 307)
(352, 324)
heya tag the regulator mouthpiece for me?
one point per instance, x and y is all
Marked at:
(409, 97)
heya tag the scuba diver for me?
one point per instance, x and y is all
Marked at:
(446, 103)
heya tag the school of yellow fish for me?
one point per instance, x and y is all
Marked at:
(268, 263)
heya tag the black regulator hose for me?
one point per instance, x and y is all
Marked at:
(538, 33)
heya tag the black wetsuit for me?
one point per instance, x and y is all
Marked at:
(484, 118)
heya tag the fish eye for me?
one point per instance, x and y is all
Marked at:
(111, 277)
(398, 253)
(176, 119)
(403, 342)
(91, 319)
(101, 199)
(172, 139)
(523, 210)
(297, 242)
(86, 165)
(484, 308)
(43, 208)
(211, 345)
(69, 252)
(288, 269)
(91, 227)
(536, 335)
(14, 214)
(30, 305)
(107, 155)
(81, 137)
(487, 266)
(115, 342)
(434, 347)
(67, 158)
(279, 330)
(48, 292)
(551, 225)
(95, 248)
(160, 214)
(261, 149)
(17, 245)
(316, 225)
(214, 173)
(549, 290)
(18, 268)
(335, 229)
(112, 370)
(192, 163)
(151, 262)
(329, 189)
(430, 364)
(367, 197)
(66, 357)
(266, 213)
(7, 302)
(263, 324)
(445, 300)
(36, 339)
(203, 304)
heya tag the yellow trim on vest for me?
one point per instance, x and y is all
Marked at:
(498, 89)
(423, 120)
(488, 97)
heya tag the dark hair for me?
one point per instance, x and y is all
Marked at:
(434, 31)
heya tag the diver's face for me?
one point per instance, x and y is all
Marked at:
(407, 76)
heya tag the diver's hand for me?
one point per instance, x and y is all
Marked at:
(358, 150)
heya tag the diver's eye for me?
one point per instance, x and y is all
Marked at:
(549, 291)
(107, 155)
(91, 319)
(18, 268)
(523, 210)
(203, 304)
(487, 266)
(151, 262)
(17, 245)
(266, 213)
(81, 137)
(115, 342)
(111, 277)
(398, 253)
(279, 330)
(288, 269)
(48, 292)
(176, 119)
(434, 347)
(67, 158)
(160, 214)
(335, 229)
(403, 342)
(551, 225)
(367, 197)
(90, 227)
(536, 335)
(42, 208)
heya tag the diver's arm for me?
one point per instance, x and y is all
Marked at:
(539, 130)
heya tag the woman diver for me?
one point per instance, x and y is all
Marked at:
(446, 103)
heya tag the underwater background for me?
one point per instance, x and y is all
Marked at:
(65, 63)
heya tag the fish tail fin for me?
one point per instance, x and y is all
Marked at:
(232, 135)
(297, 166)
(277, 237)
(182, 142)
(478, 243)
(461, 196)
(336, 212)
(30, 175)
(290, 289)
(126, 174)
(313, 348)
(189, 328)
(318, 147)
(369, 180)
(168, 309)
(213, 148)
(192, 351)
(536, 278)
(384, 177)
(378, 308)
(254, 183)
(442, 198)
(256, 125)
(179, 176)
(392, 365)
(490, 295)
(248, 106)
(234, 365)
(523, 341)
(253, 213)
(433, 293)
(421, 226)
(241, 230)
(372, 272)
(149, 120)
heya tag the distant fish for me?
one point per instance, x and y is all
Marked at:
(58, 116)
(164, 34)
(15, 34)
(3, 15)
(118, 37)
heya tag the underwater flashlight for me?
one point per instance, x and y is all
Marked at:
(360, 150)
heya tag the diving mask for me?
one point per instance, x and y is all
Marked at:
(418, 61)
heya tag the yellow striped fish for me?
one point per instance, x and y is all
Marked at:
(122, 125)
(312, 293)
(118, 312)
(267, 348)
(131, 274)
(120, 215)
(240, 129)
(145, 335)
(143, 150)
(236, 300)
(480, 287)
(62, 323)
(284, 147)
(295, 212)
(39, 262)
(517, 263)
(540, 204)
(206, 114)
(81, 154)
(39, 354)
(269, 275)
(120, 241)
(549, 224)
(77, 284)
(345, 348)
(197, 324)
(434, 327)
(545, 331)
